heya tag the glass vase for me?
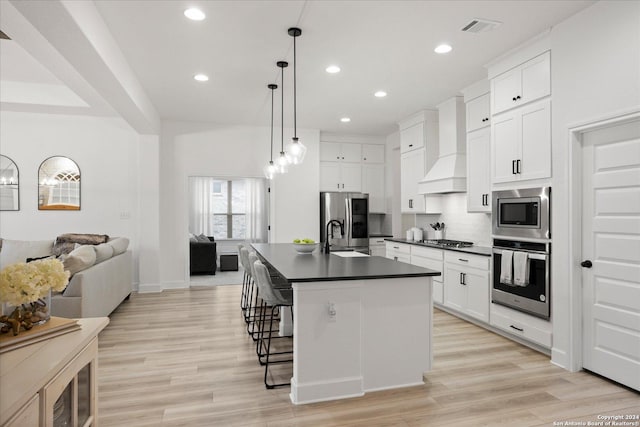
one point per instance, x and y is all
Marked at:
(28, 314)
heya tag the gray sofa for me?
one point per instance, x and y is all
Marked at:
(94, 291)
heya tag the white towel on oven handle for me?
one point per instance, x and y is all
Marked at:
(520, 269)
(506, 266)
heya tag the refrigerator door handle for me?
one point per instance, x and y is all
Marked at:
(347, 220)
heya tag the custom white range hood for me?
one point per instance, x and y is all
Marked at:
(449, 173)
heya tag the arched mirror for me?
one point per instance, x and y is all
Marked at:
(59, 184)
(9, 185)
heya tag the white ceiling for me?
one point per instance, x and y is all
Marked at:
(385, 45)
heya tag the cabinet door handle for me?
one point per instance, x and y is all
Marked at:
(338, 157)
(338, 185)
(518, 166)
(411, 203)
(518, 97)
(461, 279)
(365, 158)
(516, 328)
(464, 279)
(513, 167)
(342, 185)
(483, 202)
(513, 99)
(395, 258)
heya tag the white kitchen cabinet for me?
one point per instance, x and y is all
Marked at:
(466, 284)
(433, 259)
(340, 152)
(522, 84)
(529, 328)
(377, 246)
(373, 153)
(412, 170)
(336, 176)
(478, 113)
(398, 252)
(412, 138)
(521, 143)
(373, 184)
(479, 170)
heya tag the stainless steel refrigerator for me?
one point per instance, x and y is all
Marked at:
(344, 220)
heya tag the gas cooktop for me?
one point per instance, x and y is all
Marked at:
(445, 243)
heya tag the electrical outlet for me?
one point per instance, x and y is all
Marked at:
(331, 310)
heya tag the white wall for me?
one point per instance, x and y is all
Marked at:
(595, 73)
(459, 224)
(105, 149)
(199, 149)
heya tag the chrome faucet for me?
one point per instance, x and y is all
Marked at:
(330, 224)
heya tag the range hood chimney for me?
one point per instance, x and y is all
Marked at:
(449, 173)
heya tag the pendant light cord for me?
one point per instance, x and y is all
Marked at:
(282, 111)
(271, 152)
(295, 134)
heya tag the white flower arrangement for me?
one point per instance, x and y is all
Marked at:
(23, 282)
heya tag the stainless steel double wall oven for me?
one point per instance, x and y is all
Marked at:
(522, 223)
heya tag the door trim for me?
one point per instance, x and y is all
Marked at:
(573, 361)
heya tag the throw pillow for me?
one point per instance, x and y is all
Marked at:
(37, 258)
(14, 251)
(119, 245)
(79, 259)
(104, 251)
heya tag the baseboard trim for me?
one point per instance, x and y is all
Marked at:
(322, 391)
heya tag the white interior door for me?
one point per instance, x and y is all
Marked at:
(611, 243)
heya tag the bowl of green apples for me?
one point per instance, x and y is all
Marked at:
(305, 246)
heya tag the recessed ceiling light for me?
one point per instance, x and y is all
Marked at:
(443, 48)
(194, 14)
(201, 77)
(380, 94)
(345, 120)
(332, 69)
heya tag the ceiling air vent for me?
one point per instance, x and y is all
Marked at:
(480, 26)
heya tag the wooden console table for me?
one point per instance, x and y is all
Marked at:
(55, 377)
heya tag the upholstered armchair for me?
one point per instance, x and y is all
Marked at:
(202, 257)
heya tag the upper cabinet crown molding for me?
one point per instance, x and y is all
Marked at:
(520, 54)
(476, 90)
(419, 117)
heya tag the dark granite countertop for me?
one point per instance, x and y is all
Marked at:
(320, 267)
(477, 250)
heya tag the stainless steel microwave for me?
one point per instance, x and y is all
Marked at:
(522, 213)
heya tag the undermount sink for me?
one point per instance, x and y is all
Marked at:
(348, 254)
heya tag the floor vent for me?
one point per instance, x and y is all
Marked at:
(480, 26)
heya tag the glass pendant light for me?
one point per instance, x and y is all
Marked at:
(283, 161)
(270, 170)
(295, 149)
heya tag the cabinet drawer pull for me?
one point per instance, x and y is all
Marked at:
(396, 247)
(410, 145)
(516, 328)
(463, 260)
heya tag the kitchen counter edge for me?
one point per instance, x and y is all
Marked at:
(476, 250)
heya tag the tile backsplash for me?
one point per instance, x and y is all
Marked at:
(459, 224)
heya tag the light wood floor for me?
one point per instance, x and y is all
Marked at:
(183, 358)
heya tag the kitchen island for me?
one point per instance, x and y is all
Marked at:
(360, 323)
